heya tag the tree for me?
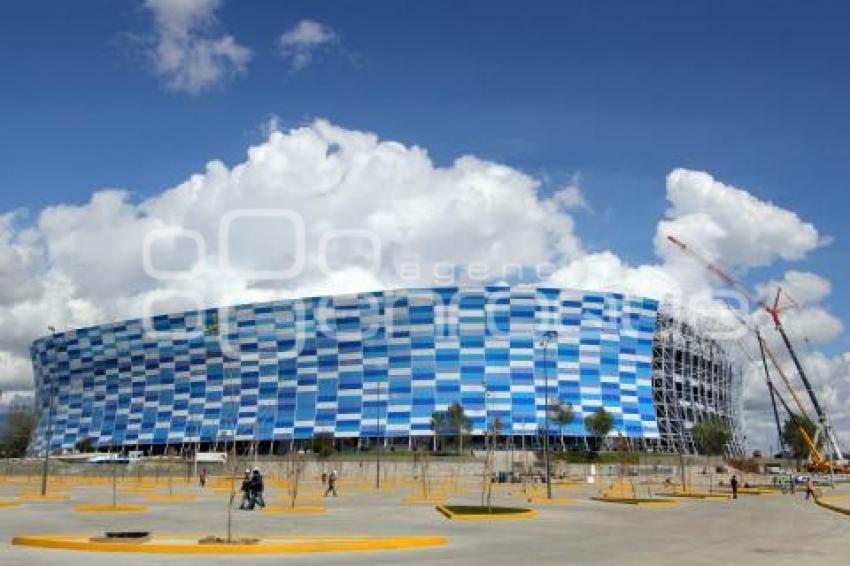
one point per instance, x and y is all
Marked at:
(440, 425)
(794, 438)
(85, 445)
(563, 415)
(20, 423)
(599, 424)
(711, 436)
(459, 423)
(323, 445)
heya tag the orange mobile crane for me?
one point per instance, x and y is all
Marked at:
(774, 311)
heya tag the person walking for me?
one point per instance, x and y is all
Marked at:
(331, 484)
(734, 483)
(202, 478)
(810, 489)
(257, 488)
(247, 500)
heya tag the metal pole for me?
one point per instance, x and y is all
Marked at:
(548, 337)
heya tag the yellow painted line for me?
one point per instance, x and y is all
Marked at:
(110, 508)
(277, 545)
(528, 514)
(9, 503)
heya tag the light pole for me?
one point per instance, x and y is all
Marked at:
(378, 435)
(48, 433)
(548, 336)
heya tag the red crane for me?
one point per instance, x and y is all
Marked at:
(774, 311)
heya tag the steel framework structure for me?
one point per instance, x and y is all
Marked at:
(694, 377)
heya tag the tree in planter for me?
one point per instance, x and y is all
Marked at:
(459, 423)
(622, 449)
(711, 436)
(599, 424)
(422, 462)
(489, 463)
(563, 415)
(295, 469)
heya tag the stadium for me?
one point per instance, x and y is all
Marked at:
(375, 367)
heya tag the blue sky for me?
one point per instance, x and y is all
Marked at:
(617, 93)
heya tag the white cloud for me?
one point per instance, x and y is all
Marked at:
(17, 255)
(300, 44)
(79, 265)
(432, 222)
(802, 287)
(731, 224)
(571, 197)
(188, 52)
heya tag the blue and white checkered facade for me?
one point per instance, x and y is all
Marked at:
(365, 365)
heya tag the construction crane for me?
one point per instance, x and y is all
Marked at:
(774, 311)
(818, 462)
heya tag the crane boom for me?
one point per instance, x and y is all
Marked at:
(772, 392)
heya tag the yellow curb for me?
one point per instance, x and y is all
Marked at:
(166, 498)
(9, 503)
(527, 514)
(699, 495)
(39, 497)
(756, 491)
(110, 508)
(843, 510)
(297, 510)
(276, 545)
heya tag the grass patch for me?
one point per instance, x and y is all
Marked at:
(479, 510)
